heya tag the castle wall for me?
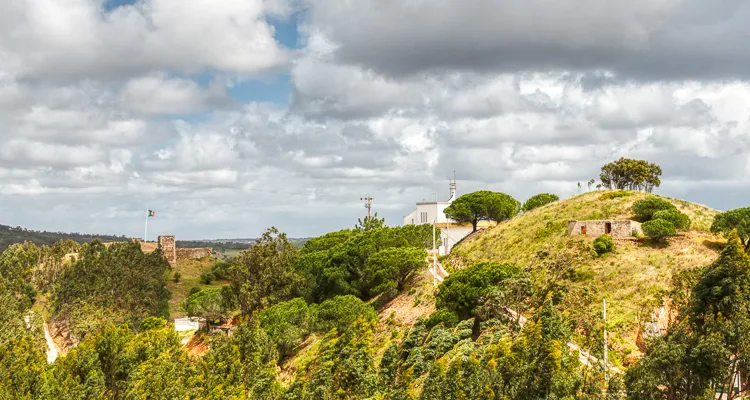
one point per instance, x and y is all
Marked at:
(169, 248)
(195, 253)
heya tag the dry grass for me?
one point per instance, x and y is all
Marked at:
(634, 274)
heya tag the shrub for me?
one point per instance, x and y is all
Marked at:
(194, 290)
(220, 269)
(644, 209)
(340, 312)
(603, 244)
(207, 278)
(176, 277)
(678, 219)
(538, 200)
(615, 194)
(445, 317)
(658, 229)
(461, 291)
(287, 324)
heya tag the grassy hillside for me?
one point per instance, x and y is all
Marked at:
(632, 278)
(191, 271)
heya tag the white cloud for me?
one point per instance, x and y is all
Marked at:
(159, 95)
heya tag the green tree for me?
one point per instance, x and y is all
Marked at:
(538, 200)
(631, 174)
(287, 324)
(678, 219)
(370, 222)
(461, 291)
(645, 209)
(263, 275)
(482, 205)
(208, 303)
(658, 229)
(737, 219)
(389, 270)
(340, 312)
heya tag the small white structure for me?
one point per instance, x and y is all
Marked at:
(187, 324)
(429, 212)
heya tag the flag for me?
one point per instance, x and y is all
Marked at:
(151, 213)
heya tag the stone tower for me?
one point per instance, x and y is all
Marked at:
(169, 248)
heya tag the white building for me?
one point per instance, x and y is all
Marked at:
(429, 212)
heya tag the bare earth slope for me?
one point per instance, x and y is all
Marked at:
(633, 275)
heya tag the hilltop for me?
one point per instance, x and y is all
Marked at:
(10, 235)
(633, 278)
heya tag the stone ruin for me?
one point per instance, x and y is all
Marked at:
(616, 228)
(173, 254)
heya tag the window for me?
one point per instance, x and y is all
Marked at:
(423, 217)
(608, 228)
(583, 229)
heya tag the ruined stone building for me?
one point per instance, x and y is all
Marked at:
(614, 227)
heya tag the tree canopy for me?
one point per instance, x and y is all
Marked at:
(482, 205)
(737, 219)
(627, 173)
(262, 275)
(538, 200)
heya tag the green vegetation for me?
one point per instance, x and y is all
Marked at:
(482, 206)
(631, 174)
(734, 220)
(658, 229)
(603, 244)
(615, 194)
(706, 345)
(679, 220)
(17, 235)
(538, 200)
(645, 209)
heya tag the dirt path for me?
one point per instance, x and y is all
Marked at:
(52, 350)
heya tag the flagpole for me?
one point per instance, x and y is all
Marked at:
(145, 231)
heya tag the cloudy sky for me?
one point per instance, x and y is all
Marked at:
(228, 116)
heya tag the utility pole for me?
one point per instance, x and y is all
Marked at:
(606, 369)
(368, 206)
(434, 257)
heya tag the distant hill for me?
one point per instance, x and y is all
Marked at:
(10, 235)
(635, 275)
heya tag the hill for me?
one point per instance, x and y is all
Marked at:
(10, 235)
(633, 278)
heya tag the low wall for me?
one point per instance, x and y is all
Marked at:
(193, 253)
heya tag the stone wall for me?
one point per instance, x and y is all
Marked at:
(620, 228)
(169, 248)
(194, 253)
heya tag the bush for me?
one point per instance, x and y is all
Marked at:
(340, 312)
(538, 201)
(207, 278)
(445, 317)
(678, 219)
(176, 277)
(287, 324)
(461, 291)
(645, 209)
(615, 194)
(194, 290)
(658, 229)
(603, 244)
(220, 269)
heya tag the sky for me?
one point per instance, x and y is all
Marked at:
(227, 117)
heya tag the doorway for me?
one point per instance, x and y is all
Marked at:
(608, 228)
(583, 229)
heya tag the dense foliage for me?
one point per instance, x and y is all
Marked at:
(661, 218)
(737, 220)
(538, 200)
(111, 284)
(482, 205)
(461, 292)
(631, 174)
(708, 345)
(658, 229)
